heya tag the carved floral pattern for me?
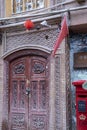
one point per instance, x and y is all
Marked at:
(38, 68)
(38, 122)
(18, 121)
(19, 69)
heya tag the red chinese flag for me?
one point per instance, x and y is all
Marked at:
(63, 33)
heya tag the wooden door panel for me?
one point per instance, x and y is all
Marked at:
(34, 95)
(38, 122)
(29, 112)
(43, 90)
(38, 67)
(39, 106)
(39, 94)
(18, 99)
(18, 109)
(18, 121)
(18, 105)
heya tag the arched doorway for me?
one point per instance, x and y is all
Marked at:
(29, 92)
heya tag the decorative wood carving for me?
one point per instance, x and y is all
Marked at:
(23, 108)
(18, 121)
(38, 122)
(34, 95)
(38, 68)
(22, 93)
(43, 94)
(14, 93)
(19, 69)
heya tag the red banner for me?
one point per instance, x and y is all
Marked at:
(63, 33)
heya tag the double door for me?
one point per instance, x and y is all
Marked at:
(29, 94)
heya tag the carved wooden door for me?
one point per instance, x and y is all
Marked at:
(29, 94)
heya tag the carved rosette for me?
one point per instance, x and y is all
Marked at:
(18, 122)
(19, 69)
(38, 122)
(38, 68)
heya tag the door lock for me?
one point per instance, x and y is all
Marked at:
(28, 91)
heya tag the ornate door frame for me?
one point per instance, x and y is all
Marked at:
(6, 83)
